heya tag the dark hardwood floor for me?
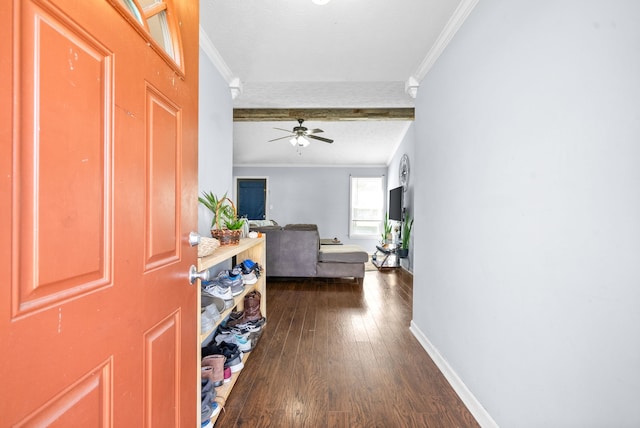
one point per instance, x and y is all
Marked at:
(337, 353)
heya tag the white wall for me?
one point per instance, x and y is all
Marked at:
(215, 147)
(318, 195)
(407, 146)
(527, 208)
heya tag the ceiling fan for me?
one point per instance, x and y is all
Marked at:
(300, 135)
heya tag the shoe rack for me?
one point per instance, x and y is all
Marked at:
(248, 248)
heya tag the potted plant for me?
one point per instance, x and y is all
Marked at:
(386, 230)
(407, 225)
(225, 224)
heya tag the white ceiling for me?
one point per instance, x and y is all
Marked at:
(345, 54)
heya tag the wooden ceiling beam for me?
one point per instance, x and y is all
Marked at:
(321, 114)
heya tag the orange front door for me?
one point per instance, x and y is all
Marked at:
(98, 187)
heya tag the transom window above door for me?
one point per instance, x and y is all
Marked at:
(155, 17)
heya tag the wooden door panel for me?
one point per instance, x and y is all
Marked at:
(163, 181)
(88, 402)
(63, 169)
(162, 363)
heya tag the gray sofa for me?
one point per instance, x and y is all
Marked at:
(295, 251)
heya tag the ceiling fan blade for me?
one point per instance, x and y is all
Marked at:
(281, 138)
(315, 131)
(325, 140)
(281, 129)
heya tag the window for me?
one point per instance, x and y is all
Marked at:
(156, 18)
(367, 207)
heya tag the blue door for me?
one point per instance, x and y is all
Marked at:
(252, 198)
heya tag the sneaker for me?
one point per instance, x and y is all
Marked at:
(249, 278)
(216, 409)
(236, 315)
(205, 411)
(249, 326)
(249, 270)
(213, 313)
(233, 355)
(237, 289)
(229, 278)
(218, 290)
(241, 327)
(227, 374)
(241, 340)
(207, 299)
(206, 322)
(249, 265)
(207, 396)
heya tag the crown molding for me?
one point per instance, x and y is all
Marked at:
(235, 85)
(450, 29)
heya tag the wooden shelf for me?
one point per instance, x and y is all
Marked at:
(226, 252)
(248, 248)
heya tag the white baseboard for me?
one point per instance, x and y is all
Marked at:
(475, 408)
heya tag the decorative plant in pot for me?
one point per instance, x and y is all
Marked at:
(386, 231)
(226, 227)
(407, 225)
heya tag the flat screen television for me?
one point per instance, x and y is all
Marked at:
(395, 204)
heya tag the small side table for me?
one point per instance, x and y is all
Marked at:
(386, 257)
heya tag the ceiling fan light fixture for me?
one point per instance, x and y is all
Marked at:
(321, 2)
(299, 141)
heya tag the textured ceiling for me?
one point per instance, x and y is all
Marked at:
(346, 54)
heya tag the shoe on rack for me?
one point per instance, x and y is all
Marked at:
(216, 362)
(206, 322)
(207, 299)
(252, 306)
(233, 356)
(206, 387)
(213, 312)
(251, 310)
(207, 396)
(243, 327)
(249, 270)
(229, 278)
(240, 326)
(241, 340)
(218, 290)
(227, 374)
(216, 408)
(205, 412)
(206, 373)
(237, 289)
(235, 315)
(249, 278)
(250, 266)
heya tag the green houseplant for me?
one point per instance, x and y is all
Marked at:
(225, 224)
(407, 225)
(386, 230)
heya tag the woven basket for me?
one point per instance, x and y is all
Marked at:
(207, 246)
(226, 236)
